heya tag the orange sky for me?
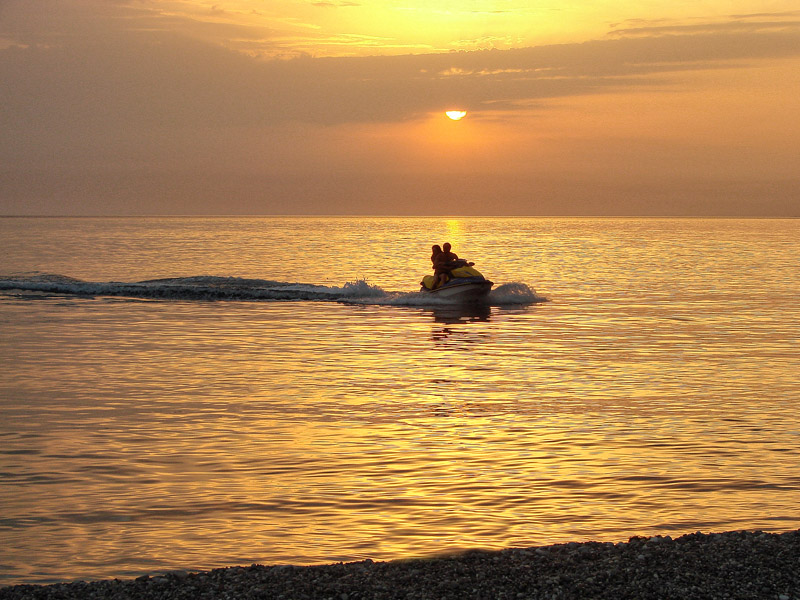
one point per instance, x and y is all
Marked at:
(337, 107)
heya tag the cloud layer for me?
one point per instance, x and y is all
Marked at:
(158, 78)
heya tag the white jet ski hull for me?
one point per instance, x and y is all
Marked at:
(468, 291)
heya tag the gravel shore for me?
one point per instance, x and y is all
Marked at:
(695, 566)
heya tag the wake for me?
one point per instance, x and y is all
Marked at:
(236, 288)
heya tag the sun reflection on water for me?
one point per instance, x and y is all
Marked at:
(455, 233)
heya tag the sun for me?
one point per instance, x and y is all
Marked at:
(456, 115)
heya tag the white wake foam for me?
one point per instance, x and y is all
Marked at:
(236, 288)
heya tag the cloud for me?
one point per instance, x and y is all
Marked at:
(741, 24)
(328, 4)
(486, 42)
(150, 79)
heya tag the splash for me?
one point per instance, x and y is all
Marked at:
(514, 293)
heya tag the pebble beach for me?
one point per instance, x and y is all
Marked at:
(737, 564)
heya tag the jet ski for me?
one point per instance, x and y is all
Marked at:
(465, 284)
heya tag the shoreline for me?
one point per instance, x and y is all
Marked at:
(734, 564)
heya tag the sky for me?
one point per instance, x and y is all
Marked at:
(263, 107)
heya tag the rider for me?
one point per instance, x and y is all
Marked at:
(451, 258)
(445, 260)
(441, 273)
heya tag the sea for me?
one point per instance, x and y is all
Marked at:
(191, 393)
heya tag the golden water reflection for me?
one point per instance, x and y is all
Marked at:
(426, 433)
(144, 436)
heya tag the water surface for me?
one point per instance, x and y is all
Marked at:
(654, 392)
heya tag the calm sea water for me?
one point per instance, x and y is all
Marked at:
(245, 405)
